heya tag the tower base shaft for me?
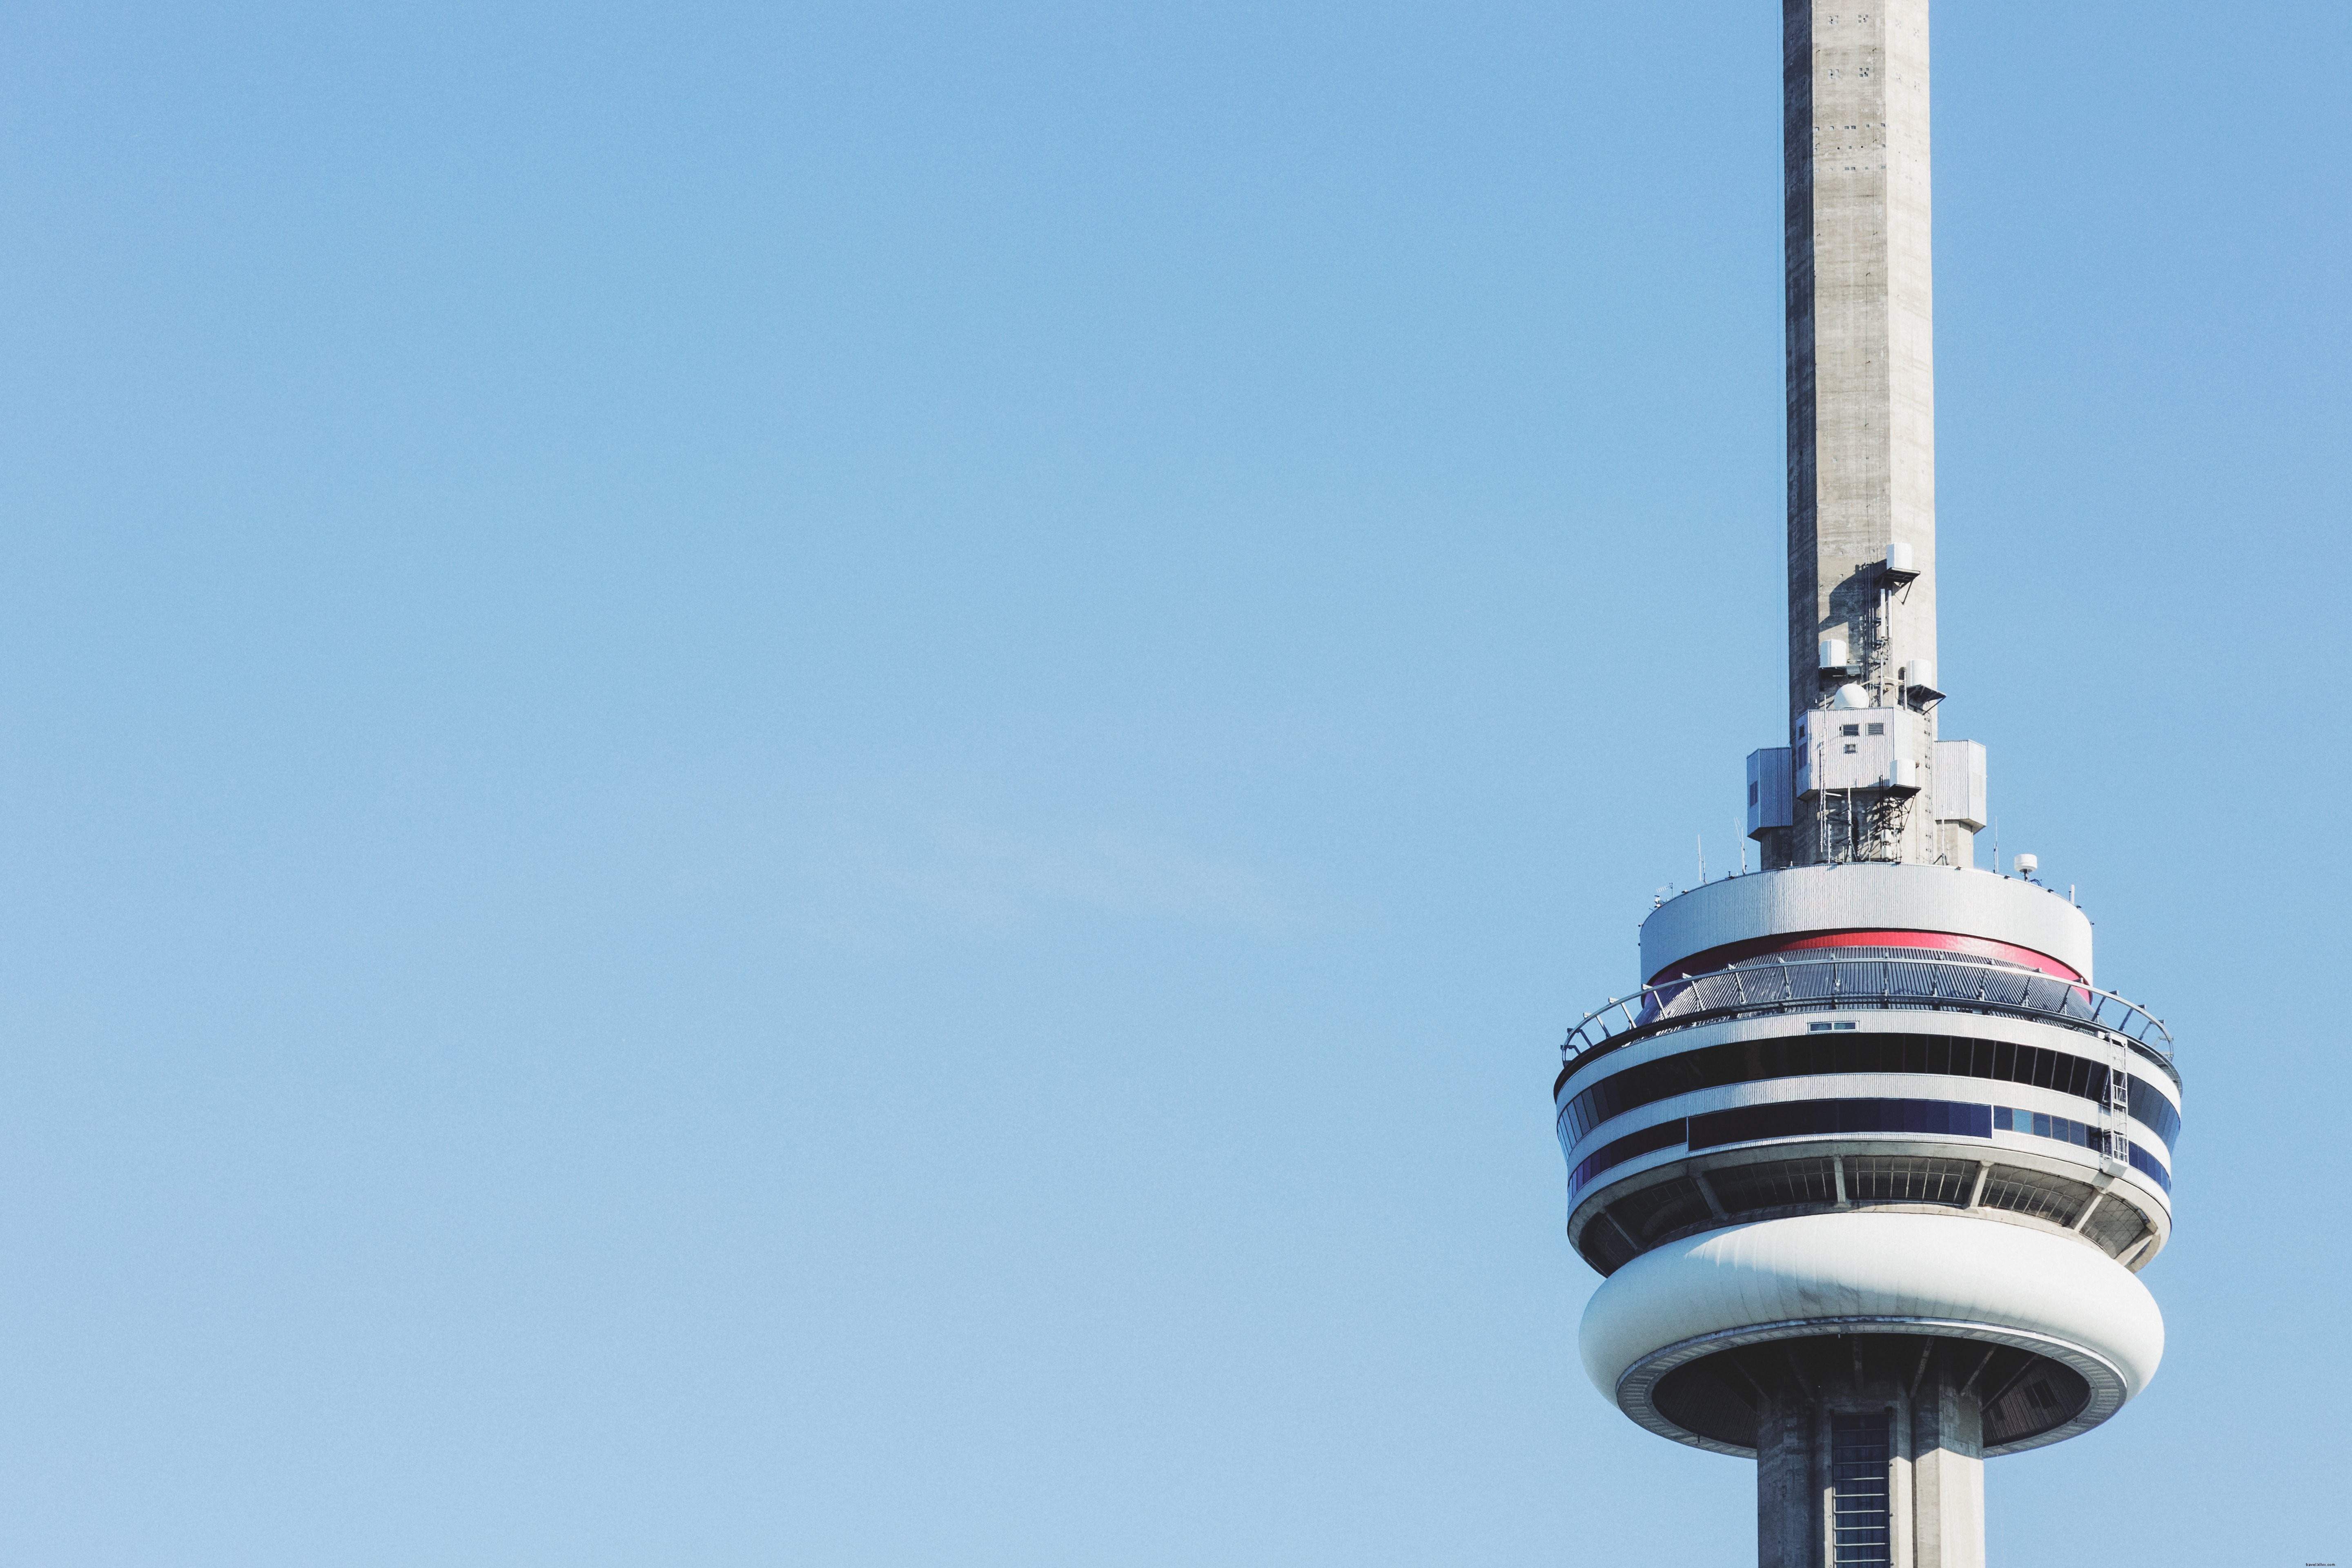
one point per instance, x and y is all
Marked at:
(1855, 1471)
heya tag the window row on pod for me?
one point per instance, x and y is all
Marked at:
(1811, 1055)
(1814, 1118)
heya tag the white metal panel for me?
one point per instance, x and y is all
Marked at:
(1804, 899)
(1770, 802)
(1960, 783)
(1853, 748)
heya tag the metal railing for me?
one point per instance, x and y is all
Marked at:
(1806, 985)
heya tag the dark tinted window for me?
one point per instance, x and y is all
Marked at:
(1796, 1118)
(1810, 1055)
(1617, 1151)
(2083, 1135)
(2148, 1165)
(2149, 1106)
(1811, 1118)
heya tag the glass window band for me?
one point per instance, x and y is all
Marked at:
(1811, 1055)
(1831, 1118)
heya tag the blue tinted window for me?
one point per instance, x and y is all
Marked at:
(1806, 1055)
(1803, 1118)
(2148, 1165)
(2149, 1107)
(1617, 1151)
(2081, 1134)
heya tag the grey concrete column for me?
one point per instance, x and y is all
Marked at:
(1824, 1501)
(1788, 1512)
(1901, 1497)
(1861, 357)
(1947, 1437)
(1935, 1481)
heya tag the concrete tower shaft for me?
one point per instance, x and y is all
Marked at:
(1869, 1160)
(1861, 408)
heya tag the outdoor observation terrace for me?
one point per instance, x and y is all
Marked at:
(1844, 980)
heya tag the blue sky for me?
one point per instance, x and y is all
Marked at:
(823, 784)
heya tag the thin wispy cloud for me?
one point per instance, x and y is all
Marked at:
(998, 878)
(877, 875)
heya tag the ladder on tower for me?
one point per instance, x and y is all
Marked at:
(2118, 1108)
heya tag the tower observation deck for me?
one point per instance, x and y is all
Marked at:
(1870, 1160)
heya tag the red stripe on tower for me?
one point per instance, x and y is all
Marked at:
(1717, 958)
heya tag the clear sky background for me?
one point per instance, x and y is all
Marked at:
(823, 784)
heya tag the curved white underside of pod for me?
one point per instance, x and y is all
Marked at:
(1871, 1273)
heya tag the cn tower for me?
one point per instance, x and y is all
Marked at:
(1870, 1160)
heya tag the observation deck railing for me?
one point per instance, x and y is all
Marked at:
(1760, 988)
